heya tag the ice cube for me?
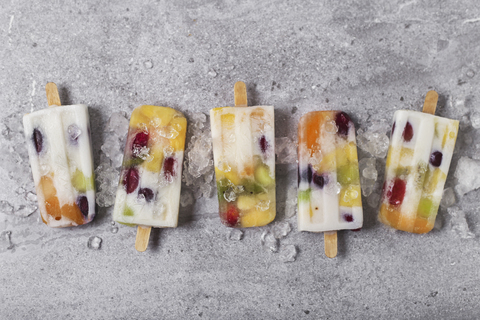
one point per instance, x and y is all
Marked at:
(281, 229)
(475, 119)
(448, 198)
(235, 234)
(94, 242)
(466, 174)
(458, 223)
(288, 253)
(269, 241)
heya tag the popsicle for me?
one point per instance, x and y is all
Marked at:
(60, 152)
(148, 193)
(244, 156)
(329, 195)
(421, 148)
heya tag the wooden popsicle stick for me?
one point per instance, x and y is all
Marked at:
(330, 239)
(53, 98)
(143, 236)
(240, 92)
(430, 103)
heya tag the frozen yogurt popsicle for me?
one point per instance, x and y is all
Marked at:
(244, 156)
(60, 152)
(329, 195)
(148, 194)
(421, 148)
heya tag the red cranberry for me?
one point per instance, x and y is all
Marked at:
(348, 217)
(169, 168)
(408, 132)
(397, 193)
(343, 123)
(131, 179)
(140, 141)
(38, 140)
(436, 158)
(393, 128)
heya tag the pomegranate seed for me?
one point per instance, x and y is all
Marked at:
(342, 121)
(38, 140)
(436, 158)
(408, 132)
(131, 179)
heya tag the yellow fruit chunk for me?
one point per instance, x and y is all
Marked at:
(262, 175)
(231, 175)
(246, 202)
(351, 151)
(155, 161)
(328, 163)
(406, 156)
(180, 125)
(341, 157)
(350, 196)
(152, 116)
(433, 180)
(257, 218)
(228, 121)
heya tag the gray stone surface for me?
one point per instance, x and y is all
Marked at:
(367, 58)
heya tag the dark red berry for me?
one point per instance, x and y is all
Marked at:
(436, 158)
(131, 179)
(343, 123)
(82, 203)
(358, 229)
(37, 140)
(140, 141)
(264, 144)
(408, 132)
(347, 217)
(169, 168)
(146, 193)
(393, 128)
(320, 180)
(397, 193)
(232, 216)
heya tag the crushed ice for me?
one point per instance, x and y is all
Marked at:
(458, 223)
(94, 242)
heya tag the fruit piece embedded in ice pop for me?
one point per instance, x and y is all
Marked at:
(329, 195)
(421, 148)
(60, 152)
(244, 156)
(148, 193)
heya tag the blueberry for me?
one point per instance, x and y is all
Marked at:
(146, 193)
(306, 175)
(82, 203)
(320, 180)
(436, 158)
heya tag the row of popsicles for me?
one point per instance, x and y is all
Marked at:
(329, 191)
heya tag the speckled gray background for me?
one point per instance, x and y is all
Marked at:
(365, 58)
